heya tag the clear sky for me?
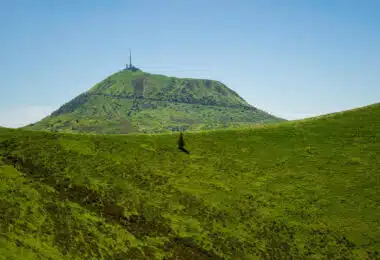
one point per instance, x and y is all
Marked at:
(294, 58)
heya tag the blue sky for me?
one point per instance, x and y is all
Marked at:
(294, 58)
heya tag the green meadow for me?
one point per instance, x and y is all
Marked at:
(307, 189)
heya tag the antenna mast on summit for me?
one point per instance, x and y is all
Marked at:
(129, 66)
(130, 58)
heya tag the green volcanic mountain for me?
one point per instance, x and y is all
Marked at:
(135, 101)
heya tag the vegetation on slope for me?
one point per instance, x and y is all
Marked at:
(303, 189)
(129, 102)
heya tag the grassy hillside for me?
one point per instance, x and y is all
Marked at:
(129, 102)
(305, 189)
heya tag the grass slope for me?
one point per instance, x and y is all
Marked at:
(129, 102)
(305, 189)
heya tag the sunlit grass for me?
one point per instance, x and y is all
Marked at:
(303, 189)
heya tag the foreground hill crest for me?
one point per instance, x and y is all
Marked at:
(136, 101)
(299, 190)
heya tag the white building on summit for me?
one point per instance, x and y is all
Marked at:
(130, 66)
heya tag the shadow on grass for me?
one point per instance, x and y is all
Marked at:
(137, 225)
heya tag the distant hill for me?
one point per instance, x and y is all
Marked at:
(135, 101)
(306, 189)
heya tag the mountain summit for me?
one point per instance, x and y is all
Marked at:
(135, 101)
